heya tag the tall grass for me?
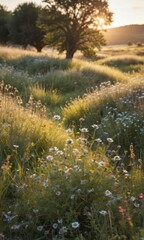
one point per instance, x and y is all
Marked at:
(126, 63)
(76, 176)
(27, 130)
(114, 109)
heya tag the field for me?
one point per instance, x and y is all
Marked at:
(72, 145)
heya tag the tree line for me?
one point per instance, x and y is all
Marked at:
(66, 25)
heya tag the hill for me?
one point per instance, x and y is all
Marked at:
(122, 35)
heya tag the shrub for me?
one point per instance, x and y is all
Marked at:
(130, 43)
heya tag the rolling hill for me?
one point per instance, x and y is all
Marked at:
(124, 34)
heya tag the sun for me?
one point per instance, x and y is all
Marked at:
(99, 24)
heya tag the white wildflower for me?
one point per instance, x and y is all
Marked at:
(103, 212)
(95, 126)
(56, 117)
(16, 146)
(84, 130)
(69, 141)
(63, 230)
(58, 193)
(49, 157)
(75, 225)
(110, 140)
(98, 140)
(101, 163)
(69, 130)
(40, 228)
(116, 158)
(108, 193)
(55, 225)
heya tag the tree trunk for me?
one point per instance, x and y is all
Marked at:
(69, 53)
(39, 50)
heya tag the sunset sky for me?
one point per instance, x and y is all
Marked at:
(125, 11)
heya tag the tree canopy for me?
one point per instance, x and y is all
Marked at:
(73, 25)
(23, 28)
(4, 19)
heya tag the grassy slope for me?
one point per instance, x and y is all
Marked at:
(46, 191)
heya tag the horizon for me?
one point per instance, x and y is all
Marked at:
(130, 13)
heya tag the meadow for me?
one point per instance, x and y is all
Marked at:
(72, 145)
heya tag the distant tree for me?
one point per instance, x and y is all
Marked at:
(4, 19)
(73, 25)
(130, 43)
(139, 44)
(23, 28)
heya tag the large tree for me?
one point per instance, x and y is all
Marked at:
(73, 25)
(4, 19)
(23, 28)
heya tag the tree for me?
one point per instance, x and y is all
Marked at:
(4, 18)
(73, 25)
(23, 27)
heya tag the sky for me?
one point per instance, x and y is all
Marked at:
(125, 11)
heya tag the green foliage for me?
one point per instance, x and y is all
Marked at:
(4, 20)
(89, 53)
(74, 25)
(23, 27)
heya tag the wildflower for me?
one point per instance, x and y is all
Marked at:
(103, 212)
(63, 230)
(90, 190)
(101, 163)
(58, 193)
(110, 140)
(45, 183)
(98, 140)
(84, 130)
(75, 151)
(75, 166)
(59, 153)
(9, 218)
(16, 146)
(83, 182)
(82, 140)
(1, 236)
(51, 149)
(132, 199)
(69, 130)
(95, 126)
(136, 204)
(116, 158)
(108, 193)
(81, 119)
(35, 210)
(40, 228)
(75, 225)
(56, 117)
(72, 196)
(78, 190)
(6, 125)
(69, 141)
(46, 232)
(141, 196)
(55, 225)
(15, 227)
(60, 221)
(49, 157)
